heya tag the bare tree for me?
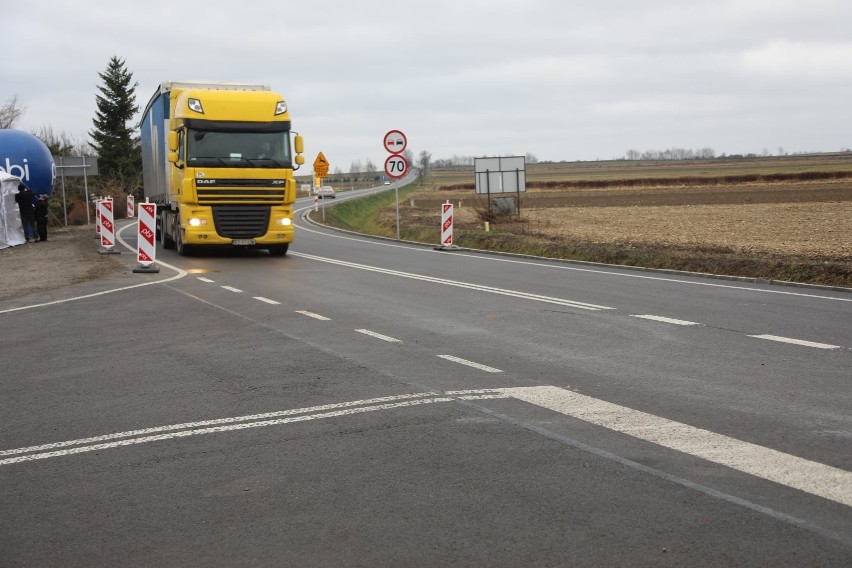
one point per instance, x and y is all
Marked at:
(423, 163)
(369, 166)
(355, 167)
(60, 144)
(10, 112)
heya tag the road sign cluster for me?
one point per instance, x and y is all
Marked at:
(320, 169)
(396, 166)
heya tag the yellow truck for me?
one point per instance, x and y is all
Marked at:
(218, 161)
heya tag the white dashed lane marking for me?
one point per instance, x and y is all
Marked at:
(379, 336)
(467, 363)
(313, 315)
(666, 320)
(792, 341)
(266, 300)
(232, 289)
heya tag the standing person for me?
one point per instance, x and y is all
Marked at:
(24, 199)
(41, 211)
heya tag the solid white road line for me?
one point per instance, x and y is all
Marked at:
(266, 300)
(215, 429)
(796, 341)
(543, 263)
(232, 289)
(461, 361)
(186, 429)
(666, 320)
(379, 336)
(229, 420)
(457, 284)
(313, 315)
(798, 473)
(805, 475)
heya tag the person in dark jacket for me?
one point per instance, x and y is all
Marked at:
(24, 199)
(41, 211)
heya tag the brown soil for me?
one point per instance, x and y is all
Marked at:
(805, 218)
(68, 256)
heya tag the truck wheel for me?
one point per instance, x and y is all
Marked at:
(165, 239)
(279, 250)
(181, 248)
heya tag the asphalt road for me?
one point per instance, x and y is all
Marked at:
(363, 402)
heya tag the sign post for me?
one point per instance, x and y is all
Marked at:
(320, 171)
(396, 165)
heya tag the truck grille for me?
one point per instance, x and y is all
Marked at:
(240, 191)
(241, 221)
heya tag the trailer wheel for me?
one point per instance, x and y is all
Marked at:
(279, 250)
(165, 239)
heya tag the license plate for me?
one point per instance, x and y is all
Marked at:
(242, 242)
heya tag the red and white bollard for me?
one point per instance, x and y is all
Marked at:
(130, 205)
(146, 242)
(447, 224)
(446, 227)
(97, 217)
(107, 227)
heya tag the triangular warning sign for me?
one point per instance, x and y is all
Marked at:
(320, 161)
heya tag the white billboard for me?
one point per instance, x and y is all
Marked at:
(500, 175)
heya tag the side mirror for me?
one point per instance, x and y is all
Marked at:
(300, 145)
(300, 160)
(173, 143)
(173, 157)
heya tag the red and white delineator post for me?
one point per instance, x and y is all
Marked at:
(446, 225)
(107, 227)
(146, 243)
(97, 217)
(130, 205)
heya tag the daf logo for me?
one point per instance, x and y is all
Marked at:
(205, 181)
(278, 182)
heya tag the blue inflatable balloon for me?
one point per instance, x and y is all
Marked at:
(25, 156)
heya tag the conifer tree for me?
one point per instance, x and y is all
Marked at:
(115, 142)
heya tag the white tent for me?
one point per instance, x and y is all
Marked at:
(11, 229)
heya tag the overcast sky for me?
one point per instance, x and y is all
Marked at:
(561, 80)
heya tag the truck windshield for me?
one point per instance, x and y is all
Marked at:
(238, 149)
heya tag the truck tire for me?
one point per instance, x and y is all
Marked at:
(182, 248)
(165, 239)
(279, 250)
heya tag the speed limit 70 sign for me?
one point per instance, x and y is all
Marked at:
(396, 166)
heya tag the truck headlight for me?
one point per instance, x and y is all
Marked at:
(280, 107)
(196, 222)
(286, 221)
(195, 104)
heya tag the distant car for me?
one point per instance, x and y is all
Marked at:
(325, 191)
(387, 183)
